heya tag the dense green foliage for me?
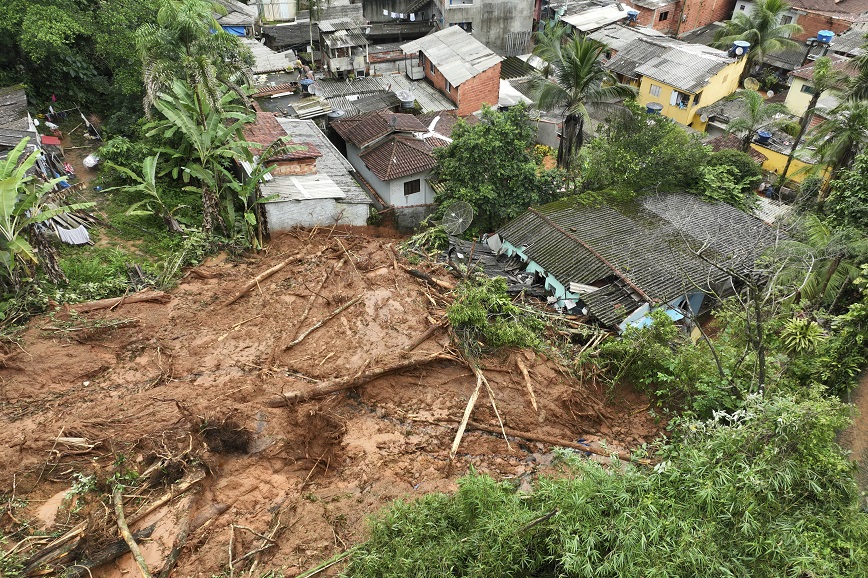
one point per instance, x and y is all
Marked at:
(483, 312)
(848, 202)
(84, 52)
(492, 166)
(640, 152)
(761, 492)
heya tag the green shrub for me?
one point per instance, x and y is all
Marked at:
(484, 313)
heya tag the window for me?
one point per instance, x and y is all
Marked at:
(421, 60)
(664, 16)
(786, 19)
(807, 89)
(433, 69)
(412, 187)
(655, 90)
(696, 98)
(448, 87)
(741, 7)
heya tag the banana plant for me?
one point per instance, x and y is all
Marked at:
(21, 209)
(146, 184)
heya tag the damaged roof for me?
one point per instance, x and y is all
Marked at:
(237, 13)
(638, 252)
(13, 108)
(456, 54)
(266, 131)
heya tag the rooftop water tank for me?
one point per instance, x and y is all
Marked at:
(653, 108)
(763, 137)
(406, 97)
(739, 48)
(825, 36)
(632, 15)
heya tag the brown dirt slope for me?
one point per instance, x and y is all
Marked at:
(179, 390)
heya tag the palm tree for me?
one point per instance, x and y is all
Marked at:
(824, 78)
(858, 89)
(548, 44)
(840, 138)
(758, 115)
(578, 81)
(762, 29)
(211, 137)
(187, 42)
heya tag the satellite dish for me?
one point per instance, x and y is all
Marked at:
(703, 118)
(457, 218)
(751, 83)
(770, 93)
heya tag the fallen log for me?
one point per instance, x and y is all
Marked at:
(140, 297)
(259, 278)
(108, 554)
(342, 383)
(426, 277)
(550, 441)
(319, 324)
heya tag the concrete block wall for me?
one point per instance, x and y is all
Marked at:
(813, 23)
(481, 89)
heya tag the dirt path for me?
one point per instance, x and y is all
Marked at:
(184, 385)
(855, 438)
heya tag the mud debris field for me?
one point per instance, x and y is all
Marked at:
(188, 401)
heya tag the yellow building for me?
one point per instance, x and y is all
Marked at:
(677, 78)
(802, 88)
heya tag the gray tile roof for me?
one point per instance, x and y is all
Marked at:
(428, 98)
(644, 247)
(13, 108)
(635, 54)
(456, 54)
(849, 43)
(687, 67)
(266, 60)
(331, 163)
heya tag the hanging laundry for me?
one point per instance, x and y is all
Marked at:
(385, 12)
(413, 17)
(67, 168)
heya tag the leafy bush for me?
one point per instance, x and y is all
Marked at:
(744, 169)
(483, 312)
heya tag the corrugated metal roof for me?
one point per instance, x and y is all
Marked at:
(596, 17)
(456, 54)
(237, 13)
(618, 36)
(332, 162)
(302, 187)
(266, 60)
(687, 67)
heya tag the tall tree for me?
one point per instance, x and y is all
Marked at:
(187, 42)
(758, 114)
(858, 89)
(578, 81)
(823, 78)
(762, 28)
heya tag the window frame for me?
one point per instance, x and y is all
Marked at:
(652, 91)
(664, 16)
(418, 187)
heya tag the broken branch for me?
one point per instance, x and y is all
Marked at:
(316, 326)
(340, 384)
(118, 500)
(523, 369)
(261, 277)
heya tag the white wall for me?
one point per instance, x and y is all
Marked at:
(747, 7)
(284, 215)
(392, 192)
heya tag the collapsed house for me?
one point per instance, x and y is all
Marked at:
(617, 263)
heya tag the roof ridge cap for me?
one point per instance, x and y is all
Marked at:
(612, 267)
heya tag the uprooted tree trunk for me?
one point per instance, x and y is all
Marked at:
(335, 385)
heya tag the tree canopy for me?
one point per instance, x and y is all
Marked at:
(492, 165)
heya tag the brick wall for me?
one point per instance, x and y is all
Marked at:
(695, 14)
(439, 81)
(481, 89)
(813, 23)
(295, 167)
